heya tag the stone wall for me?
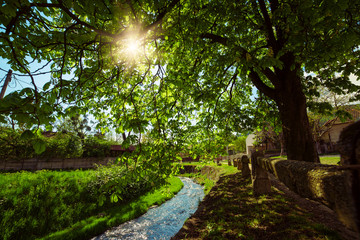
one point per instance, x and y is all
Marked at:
(323, 183)
(67, 163)
(338, 187)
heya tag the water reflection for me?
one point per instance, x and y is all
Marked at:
(161, 222)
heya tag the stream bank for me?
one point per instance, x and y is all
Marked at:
(161, 222)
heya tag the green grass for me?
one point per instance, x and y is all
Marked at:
(222, 170)
(97, 224)
(233, 212)
(330, 160)
(35, 204)
(202, 180)
(32, 204)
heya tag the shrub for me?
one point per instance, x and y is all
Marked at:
(12, 146)
(96, 147)
(33, 205)
(62, 145)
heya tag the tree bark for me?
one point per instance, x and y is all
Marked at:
(282, 144)
(298, 137)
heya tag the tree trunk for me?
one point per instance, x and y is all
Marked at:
(291, 102)
(282, 144)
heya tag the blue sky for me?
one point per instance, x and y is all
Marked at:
(18, 80)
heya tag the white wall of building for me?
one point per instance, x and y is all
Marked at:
(249, 142)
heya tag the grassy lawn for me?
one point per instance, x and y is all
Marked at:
(65, 204)
(231, 211)
(331, 160)
(117, 215)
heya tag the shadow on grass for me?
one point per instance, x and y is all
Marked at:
(230, 211)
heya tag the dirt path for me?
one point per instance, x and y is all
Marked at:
(230, 211)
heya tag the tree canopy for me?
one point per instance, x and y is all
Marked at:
(185, 71)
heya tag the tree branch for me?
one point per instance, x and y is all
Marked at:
(268, 25)
(259, 84)
(271, 76)
(215, 38)
(74, 17)
(161, 15)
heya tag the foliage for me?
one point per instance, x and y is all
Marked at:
(12, 146)
(119, 183)
(96, 147)
(35, 204)
(75, 124)
(62, 146)
(239, 144)
(17, 144)
(193, 78)
(329, 108)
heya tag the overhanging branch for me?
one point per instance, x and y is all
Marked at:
(215, 38)
(259, 84)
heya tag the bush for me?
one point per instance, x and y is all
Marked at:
(116, 182)
(12, 146)
(61, 145)
(96, 147)
(33, 205)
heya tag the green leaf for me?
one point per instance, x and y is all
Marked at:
(27, 134)
(46, 86)
(114, 198)
(39, 146)
(102, 199)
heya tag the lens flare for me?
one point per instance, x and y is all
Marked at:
(131, 48)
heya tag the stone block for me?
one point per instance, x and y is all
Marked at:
(245, 170)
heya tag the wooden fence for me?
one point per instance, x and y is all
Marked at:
(53, 164)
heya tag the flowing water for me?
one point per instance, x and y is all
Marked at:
(161, 222)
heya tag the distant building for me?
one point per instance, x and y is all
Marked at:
(330, 137)
(250, 143)
(48, 134)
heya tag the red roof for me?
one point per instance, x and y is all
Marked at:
(121, 149)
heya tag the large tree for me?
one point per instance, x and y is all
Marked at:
(199, 58)
(272, 44)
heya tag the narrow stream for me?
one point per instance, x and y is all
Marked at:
(161, 222)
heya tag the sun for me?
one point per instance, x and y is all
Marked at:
(132, 47)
